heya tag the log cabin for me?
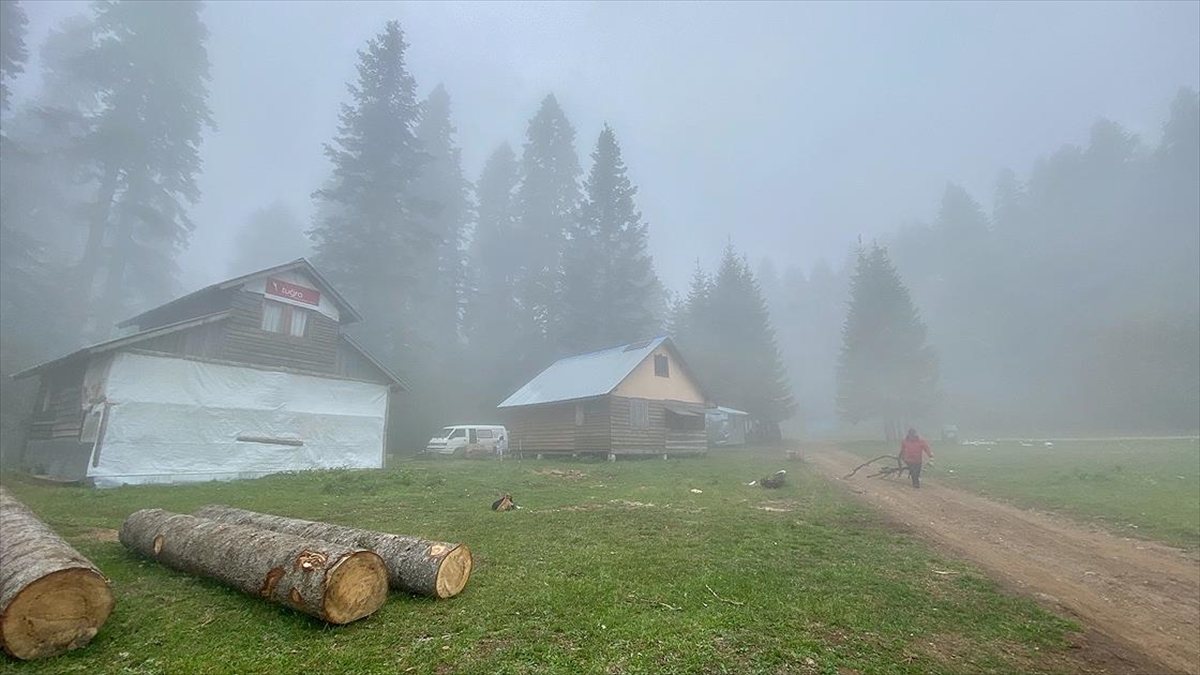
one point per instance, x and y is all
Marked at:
(240, 379)
(635, 399)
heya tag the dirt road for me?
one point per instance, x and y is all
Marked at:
(1141, 595)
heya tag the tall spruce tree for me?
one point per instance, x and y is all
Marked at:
(370, 239)
(12, 45)
(727, 337)
(491, 321)
(270, 235)
(609, 293)
(547, 199)
(442, 184)
(490, 308)
(148, 65)
(886, 371)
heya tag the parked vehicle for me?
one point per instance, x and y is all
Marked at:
(470, 440)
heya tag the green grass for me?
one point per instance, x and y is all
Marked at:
(604, 573)
(1141, 488)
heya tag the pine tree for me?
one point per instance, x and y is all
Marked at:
(148, 67)
(491, 321)
(490, 309)
(369, 239)
(546, 202)
(12, 45)
(442, 184)
(270, 236)
(609, 293)
(886, 370)
(726, 335)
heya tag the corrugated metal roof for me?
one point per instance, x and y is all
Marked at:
(575, 377)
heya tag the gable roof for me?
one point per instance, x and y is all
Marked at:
(120, 342)
(396, 379)
(347, 311)
(133, 340)
(585, 375)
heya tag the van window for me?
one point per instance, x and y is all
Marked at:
(485, 433)
(458, 433)
(474, 437)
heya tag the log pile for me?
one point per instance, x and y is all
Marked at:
(52, 599)
(431, 568)
(335, 582)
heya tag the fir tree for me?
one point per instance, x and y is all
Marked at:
(492, 323)
(546, 202)
(490, 309)
(270, 236)
(148, 66)
(886, 370)
(442, 183)
(12, 45)
(369, 239)
(726, 334)
(609, 293)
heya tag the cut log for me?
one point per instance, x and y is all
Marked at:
(432, 568)
(52, 599)
(333, 582)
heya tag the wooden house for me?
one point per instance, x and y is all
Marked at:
(243, 378)
(636, 399)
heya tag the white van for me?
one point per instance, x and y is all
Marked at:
(470, 440)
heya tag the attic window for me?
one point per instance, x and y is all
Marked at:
(637, 345)
(662, 367)
(280, 318)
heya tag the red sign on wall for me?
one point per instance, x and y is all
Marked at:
(282, 289)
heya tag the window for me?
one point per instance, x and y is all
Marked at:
(485, 433)
(474, 437)
(662, 367)
(458, 433)
(639, 413)
(280, 318)
(579, 415)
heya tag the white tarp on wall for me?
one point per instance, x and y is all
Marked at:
(175, 420)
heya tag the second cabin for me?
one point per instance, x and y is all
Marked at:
(636, 399)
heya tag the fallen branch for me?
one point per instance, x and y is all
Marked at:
(864, 464)
(673, 608)
(735, 603)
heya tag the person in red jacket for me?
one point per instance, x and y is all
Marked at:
(913, 450)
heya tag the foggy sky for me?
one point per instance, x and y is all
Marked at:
(792, 128)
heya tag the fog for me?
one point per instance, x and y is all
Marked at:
(792, 132)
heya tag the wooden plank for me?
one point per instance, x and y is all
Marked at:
(245, 341)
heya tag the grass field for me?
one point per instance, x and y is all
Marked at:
(607, 569)
(1145, 488)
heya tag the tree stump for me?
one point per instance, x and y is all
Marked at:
(52, 599)
(419, 566)
(334, 582)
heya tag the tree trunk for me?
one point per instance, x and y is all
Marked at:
(431, 568)
(52, 599)
(336, 583)
(93, 252)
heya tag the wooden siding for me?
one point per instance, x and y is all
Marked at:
(64, 418)
(246, 342)
(543, 429)
(205, 341)
(594, 435)
(629, 441)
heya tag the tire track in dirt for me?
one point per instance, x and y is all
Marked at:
(1142, 595)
